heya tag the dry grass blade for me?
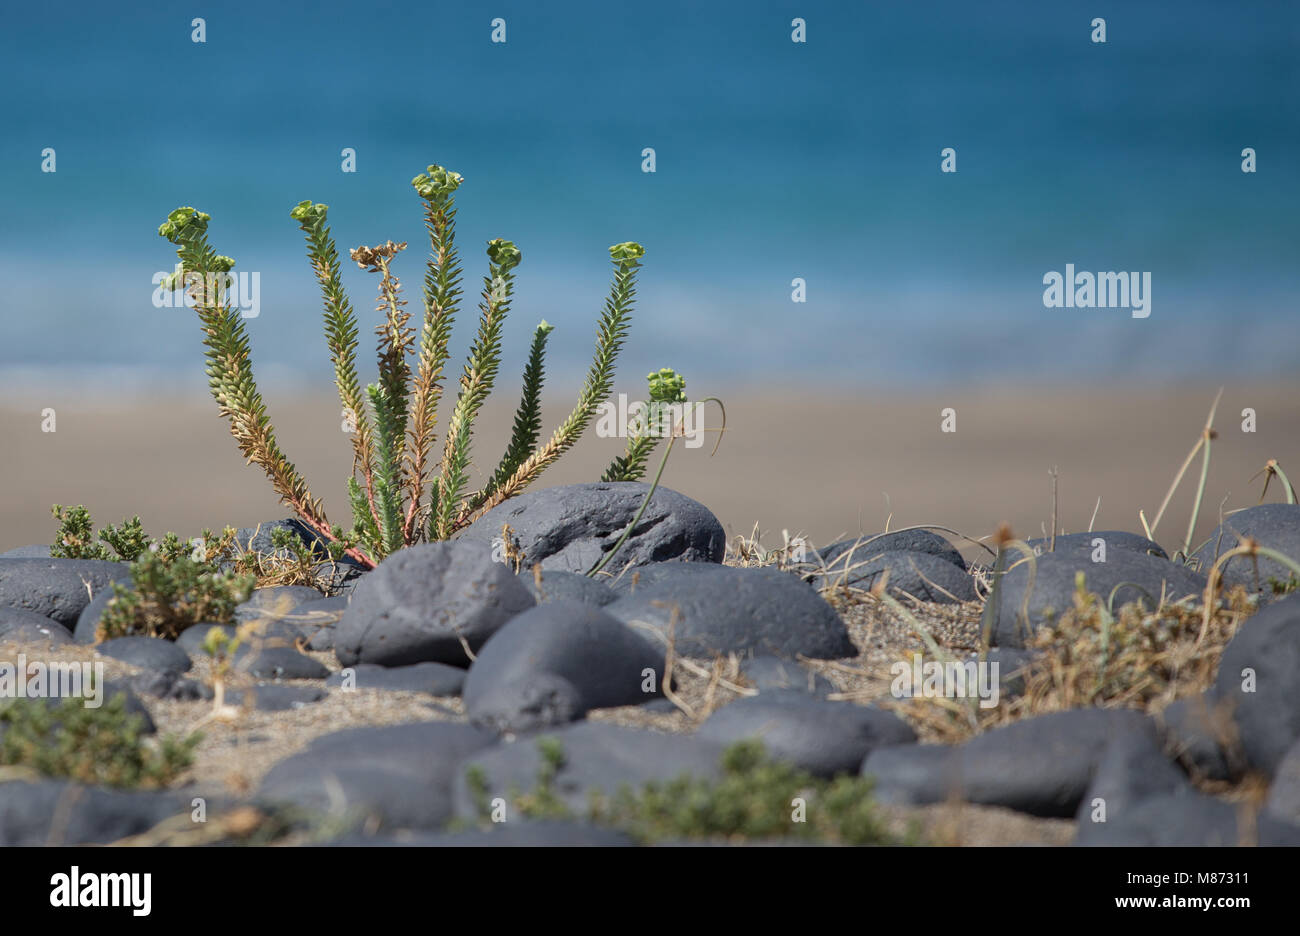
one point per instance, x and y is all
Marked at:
(1246, 547)
(1270, 471)
(1187, 463)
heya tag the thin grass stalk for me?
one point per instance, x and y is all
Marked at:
(1251, 548)
(1200, 493)
(1209, 424)
(645, 502)
(1286, 484)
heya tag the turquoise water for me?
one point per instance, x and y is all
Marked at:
(774, 160)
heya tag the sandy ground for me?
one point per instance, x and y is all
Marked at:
(237, 750)
(824, 465)
(821, 465)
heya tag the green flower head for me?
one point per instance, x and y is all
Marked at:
(545, 327)
(667, 386)
(504, 254)
(626, 252)
(306, 211)
(180, 220)
(436, 182)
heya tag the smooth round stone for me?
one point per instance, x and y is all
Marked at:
(283, 663)
(918, 575)
(153, 653)
(396, 776)
(1132, 769)
(437, 679)
(268, 635)
(87, 624)
(769, 672)
(568, 586)
(58, 812)
(571, 527)
(554, 663)
(1126, 576)
(850, 552)
(57, 588)
(427, 603)
(30, 633)
(20, 625)
(824, 738)
(660, 573)
(1088, 542)
(1188, 818)
(191, 639)
(277, 697)
(597, 756)
(1041, 765)
(732, 610)
(1275, 526)
(1259, 683)
(169, 686)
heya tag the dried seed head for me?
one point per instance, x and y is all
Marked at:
(369, 258)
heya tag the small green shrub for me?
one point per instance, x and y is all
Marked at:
(90, 745)
(292, 561)
(175, 584)
(74, 538)
(755, 799)
(172, 591)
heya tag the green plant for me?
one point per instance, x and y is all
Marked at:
(222, 648)
(290, 561)
(90, 745)
(755, 798)
(1283, 587)
(174, 586)
(74, 540)
(667, 390)
(393, 419)
(174, 583)
(1142, 655)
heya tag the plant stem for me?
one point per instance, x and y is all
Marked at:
(645, 502)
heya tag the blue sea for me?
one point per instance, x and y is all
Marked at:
(781, 167)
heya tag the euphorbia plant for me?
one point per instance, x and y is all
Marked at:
(396, 499)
